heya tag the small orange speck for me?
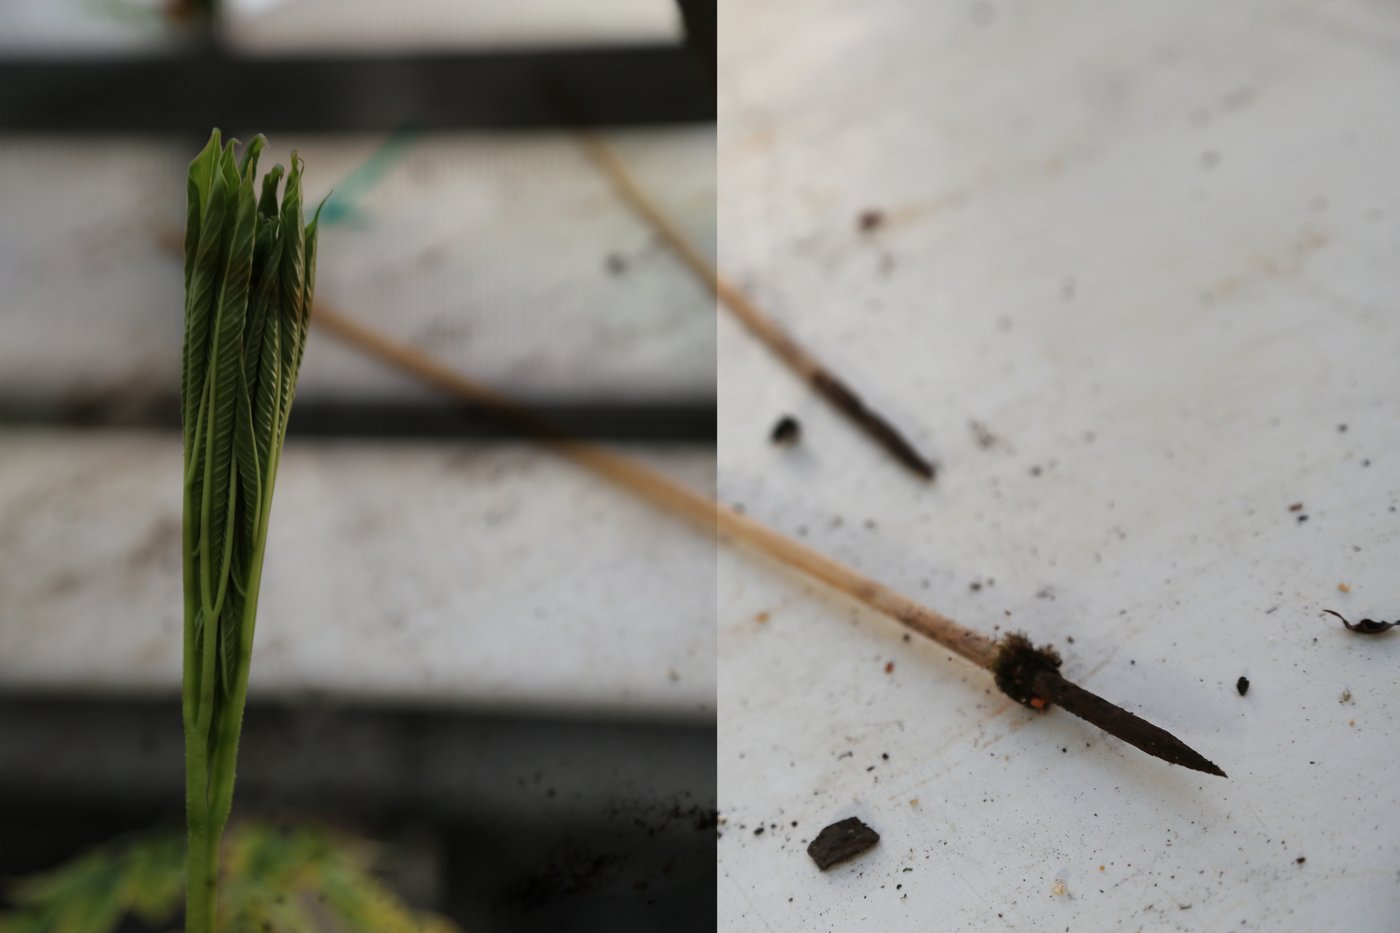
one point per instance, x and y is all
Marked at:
(1100, 868)
(889, 667)
(761, 618)
(914, 802)
(1352, 723)
(1038, 703)
(1344, 587)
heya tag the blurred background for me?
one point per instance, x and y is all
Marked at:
(469, 650)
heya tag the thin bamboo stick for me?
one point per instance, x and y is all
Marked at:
(1028, 675)
(772, 334)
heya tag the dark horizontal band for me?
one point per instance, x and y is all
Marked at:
(189, 92)
(666, 421)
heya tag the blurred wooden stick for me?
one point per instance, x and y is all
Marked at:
(826, 383)
(701, 510)
(1026, 674)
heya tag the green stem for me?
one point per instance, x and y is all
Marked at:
(200, 895)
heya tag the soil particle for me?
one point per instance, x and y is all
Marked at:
(870, 220)
(841, 841)
(983, 435)
(1242, 685)
(787, 431)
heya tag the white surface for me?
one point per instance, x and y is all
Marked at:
(290, 26)
(488, 250)
(494, 577)
(1151, 247)
(368, 25)
(65, 27)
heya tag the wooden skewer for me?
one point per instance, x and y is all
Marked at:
(1029, 675)
(770, 332)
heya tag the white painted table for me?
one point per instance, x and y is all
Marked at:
(1151, 247)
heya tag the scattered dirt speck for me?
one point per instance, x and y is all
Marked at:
(983, 435)
(870, 220)
(787, 431)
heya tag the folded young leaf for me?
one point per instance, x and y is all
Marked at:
(248, 288)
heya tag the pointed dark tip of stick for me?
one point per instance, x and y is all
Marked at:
(872, 423)
(1118, 722)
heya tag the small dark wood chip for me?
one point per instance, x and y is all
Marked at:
(1365, 626)
(1242, 685)
(840, 841)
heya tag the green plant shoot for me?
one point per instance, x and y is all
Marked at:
(249, 273)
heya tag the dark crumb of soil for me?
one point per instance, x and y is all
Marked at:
(1296, 507)
(787, 431)
(889, 667)
(1365, 626)
(870, 220)
(1242, 685)
(840, 841)
(1301, 859)
(615, 264)
(758, 832)
(1302, 518)
(1016, 665)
